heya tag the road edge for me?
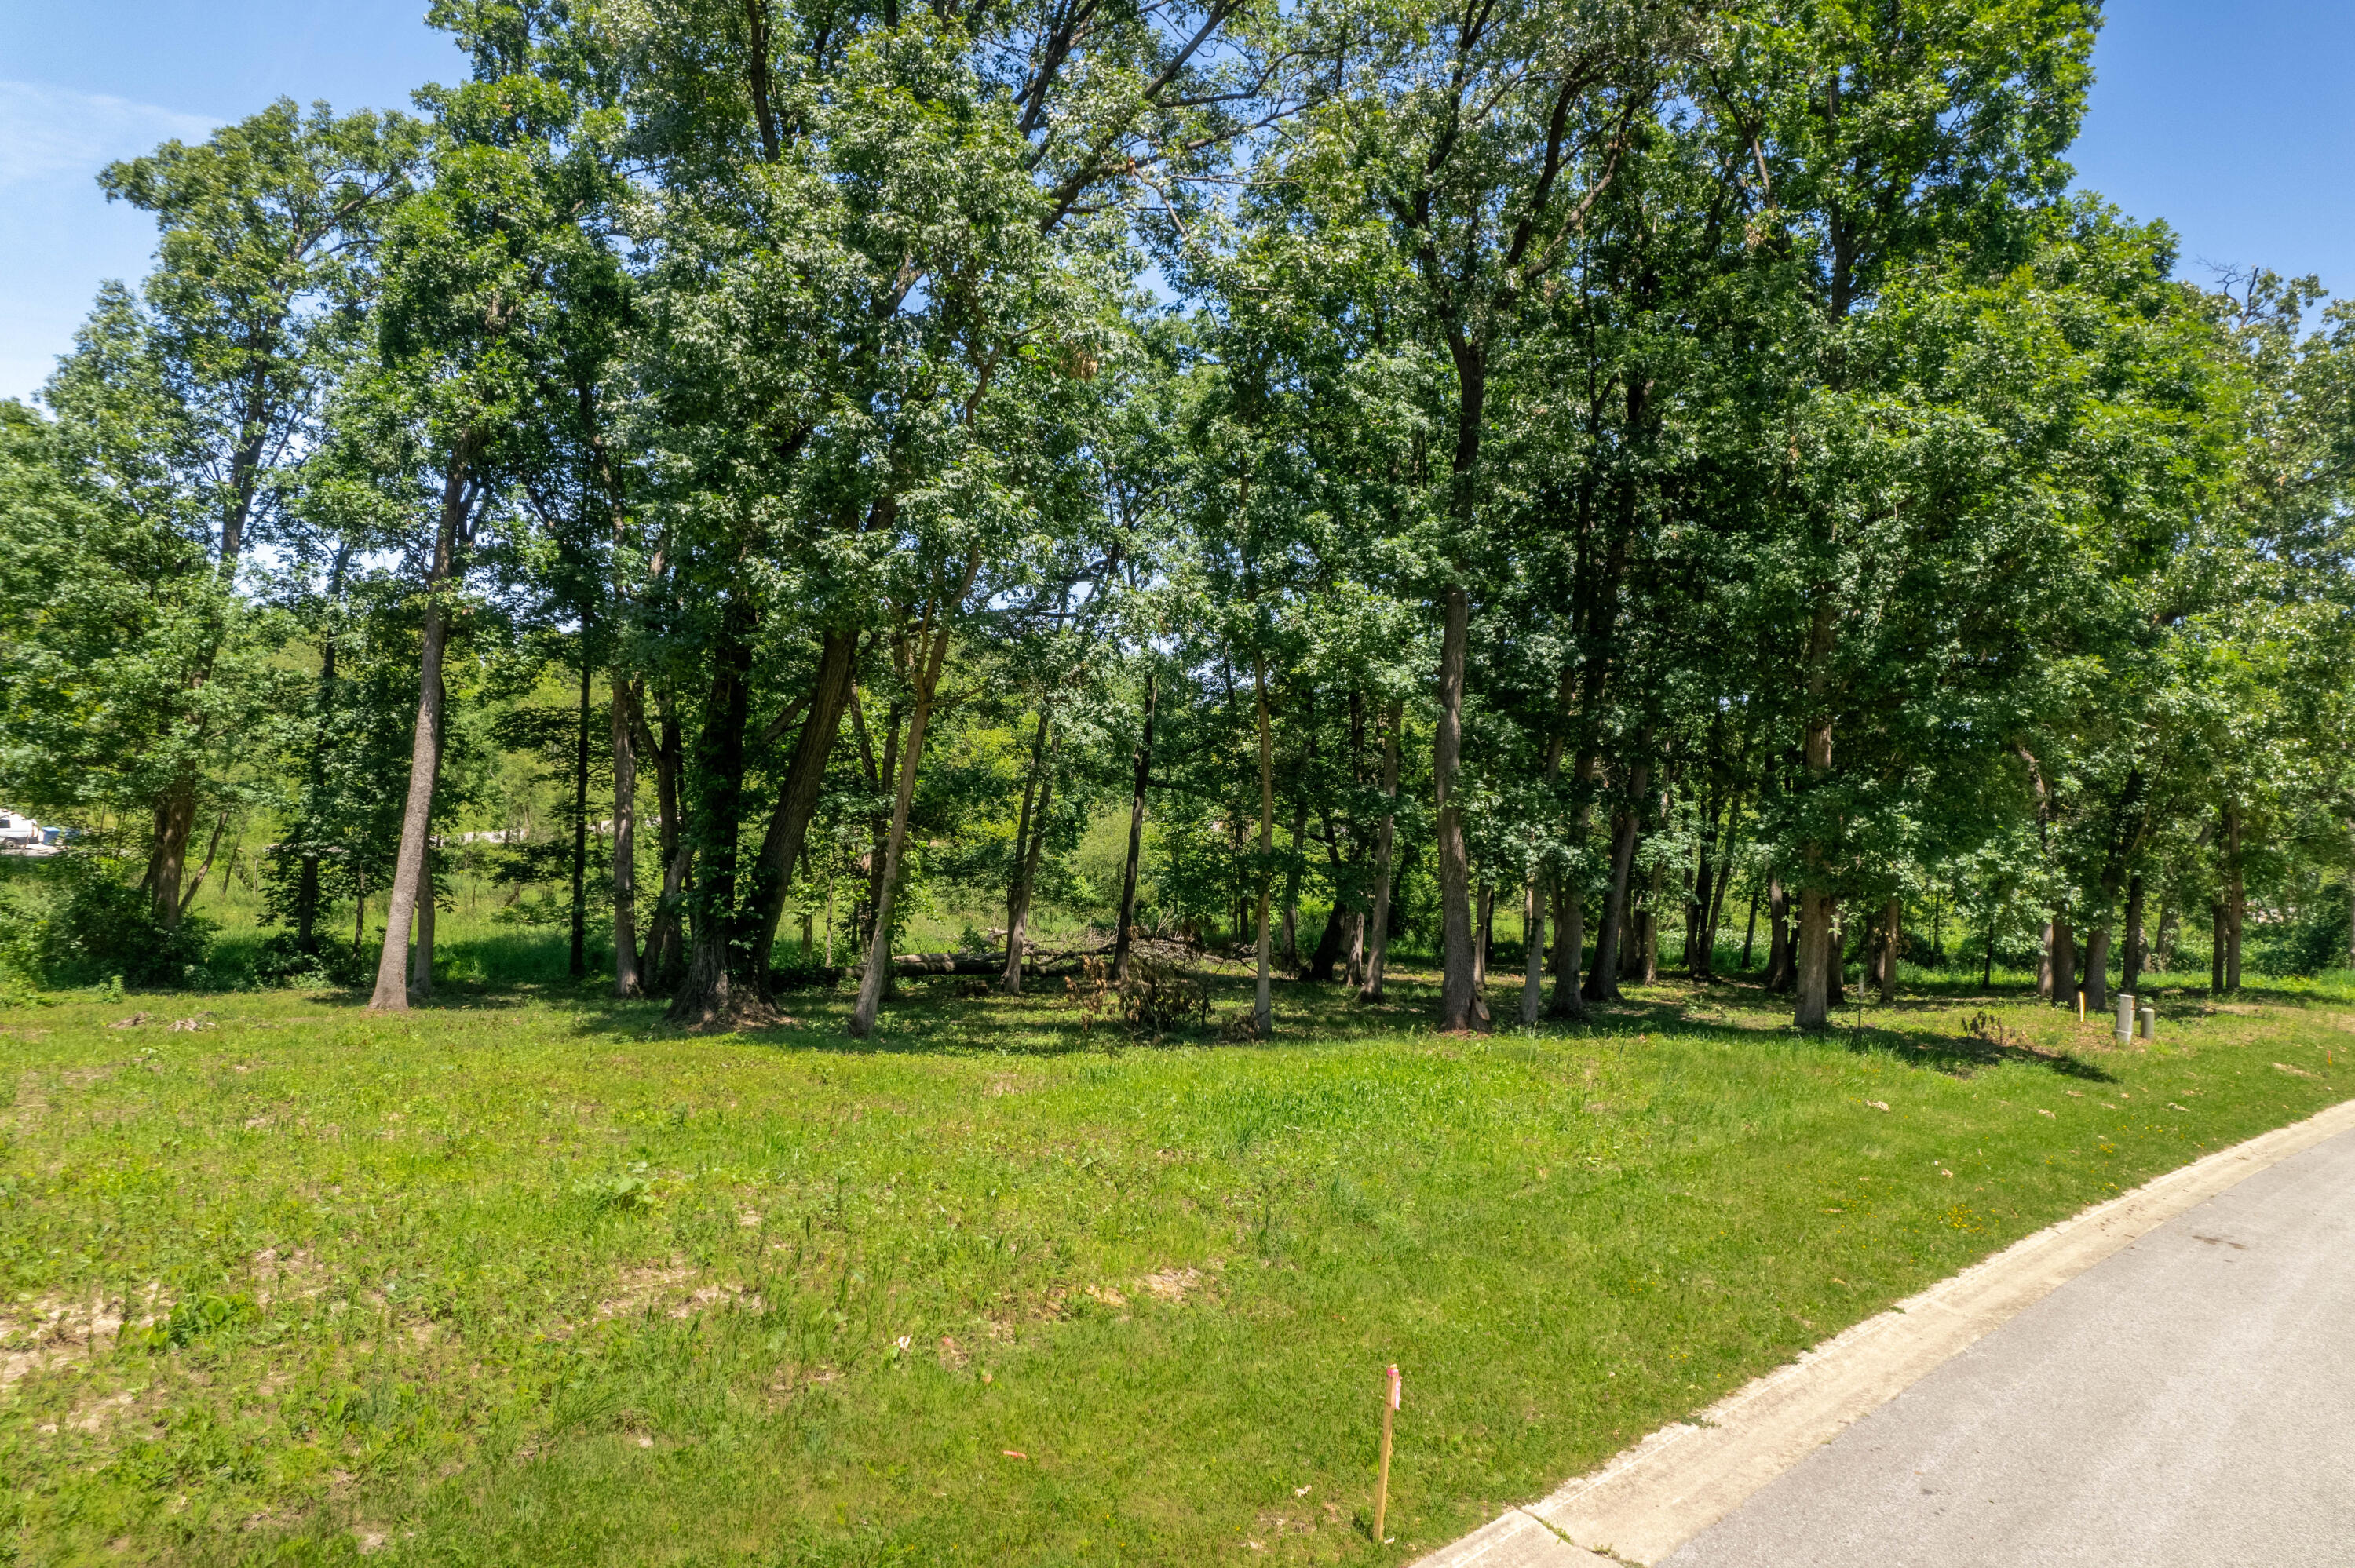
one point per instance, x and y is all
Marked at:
(1658, 1494)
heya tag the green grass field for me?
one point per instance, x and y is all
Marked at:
(530, 1278)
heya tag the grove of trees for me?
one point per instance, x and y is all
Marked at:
(1626, 470)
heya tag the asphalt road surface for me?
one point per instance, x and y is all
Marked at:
(2188, 1401)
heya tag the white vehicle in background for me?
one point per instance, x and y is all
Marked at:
(19, 835)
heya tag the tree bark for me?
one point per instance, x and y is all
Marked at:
(1892, 937)
(421, 958)
(878, 950)
(709, 992)
(1142, 777)
(2060, 971)
(624, 741)
(410, 869)
(1533, 906)
(666, 950)
(2236, 898)
(1602, 978)
(2097, 969)
(2216, 947)
(797, 796)
(2131, 961)
(1781, 963)
(1483, 923)
(175, 821)
(1458, 989)
(1377, 941)
(1263, 1000)
(1291, 937)
(1570, 904)
(1816, 954)
(578, 966)
(1030, 840)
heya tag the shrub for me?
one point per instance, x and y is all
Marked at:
(97, 926)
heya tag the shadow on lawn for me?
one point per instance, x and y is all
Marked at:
(946, 1013)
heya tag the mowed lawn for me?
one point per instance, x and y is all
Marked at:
(532, 1279)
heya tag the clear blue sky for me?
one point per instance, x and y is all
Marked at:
(2231, 121)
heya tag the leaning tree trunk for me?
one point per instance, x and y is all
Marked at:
(410, 869)
(927, 671)
(797, 796)
(1027, 848)
(1141, 777)
(1378, 939)
(1457, 990)
(1602, 978)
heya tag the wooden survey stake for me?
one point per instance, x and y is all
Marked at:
(1382, 1480)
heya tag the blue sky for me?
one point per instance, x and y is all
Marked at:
(2231, 120)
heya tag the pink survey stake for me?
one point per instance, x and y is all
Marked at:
(1394, 1388)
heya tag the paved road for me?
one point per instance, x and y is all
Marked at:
(2188, 1401)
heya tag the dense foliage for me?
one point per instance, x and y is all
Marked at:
(1292, 478)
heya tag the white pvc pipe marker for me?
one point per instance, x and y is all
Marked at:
(2125, 1015)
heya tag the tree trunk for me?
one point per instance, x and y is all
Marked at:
(1781, 963)
(410, 869)
(666, 949)
(1291, 939)
(2097, 969)
(1716, 916)
(1028, 843)
(1750, 931)
(797, 796)
(1328, 955)
(2131, 961)
(1815, 955)
(1141, 778)
(623, 739)
(879, 950)
(579, 963)
(1892, 937)
(1483, 920)
(1648, 925)
(1533, 905)
(175, 821)
(2216, 947)
(1378, 942)
(1458, 991)
(1012, 982)
(2236, 899)
(1570, 904)
(420, 959)
(1263, 1002)
(2060, 971)
(709, 992)
(1603, 979)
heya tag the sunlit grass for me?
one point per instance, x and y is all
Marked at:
(530, 1278)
